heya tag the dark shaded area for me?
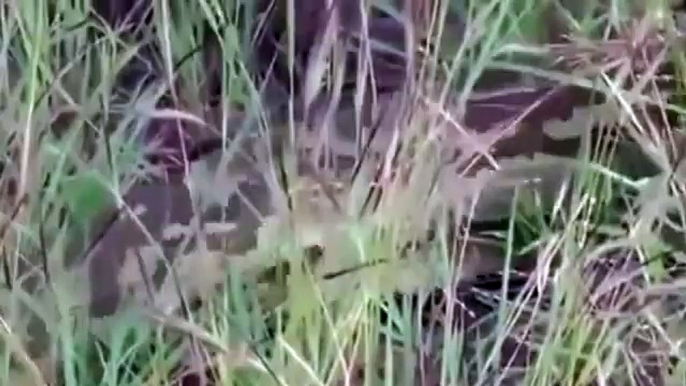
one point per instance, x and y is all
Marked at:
(473, 304)
(127, 15)
(608, 289)
(311, 19)
(133, 20)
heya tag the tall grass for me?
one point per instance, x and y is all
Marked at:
(601, 304)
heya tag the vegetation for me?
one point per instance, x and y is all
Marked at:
(403, 193)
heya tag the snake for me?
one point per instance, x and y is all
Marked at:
(222, 206)
(474, 157)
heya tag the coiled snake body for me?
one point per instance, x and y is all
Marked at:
(219, 209)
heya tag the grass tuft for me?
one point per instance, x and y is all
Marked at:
(273, 192)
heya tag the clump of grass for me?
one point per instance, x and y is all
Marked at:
(597, 301)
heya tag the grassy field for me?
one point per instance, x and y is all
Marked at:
(173, 213)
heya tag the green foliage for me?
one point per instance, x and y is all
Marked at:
(301, 326)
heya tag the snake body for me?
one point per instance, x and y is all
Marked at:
(506, 138)
(220, 209)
